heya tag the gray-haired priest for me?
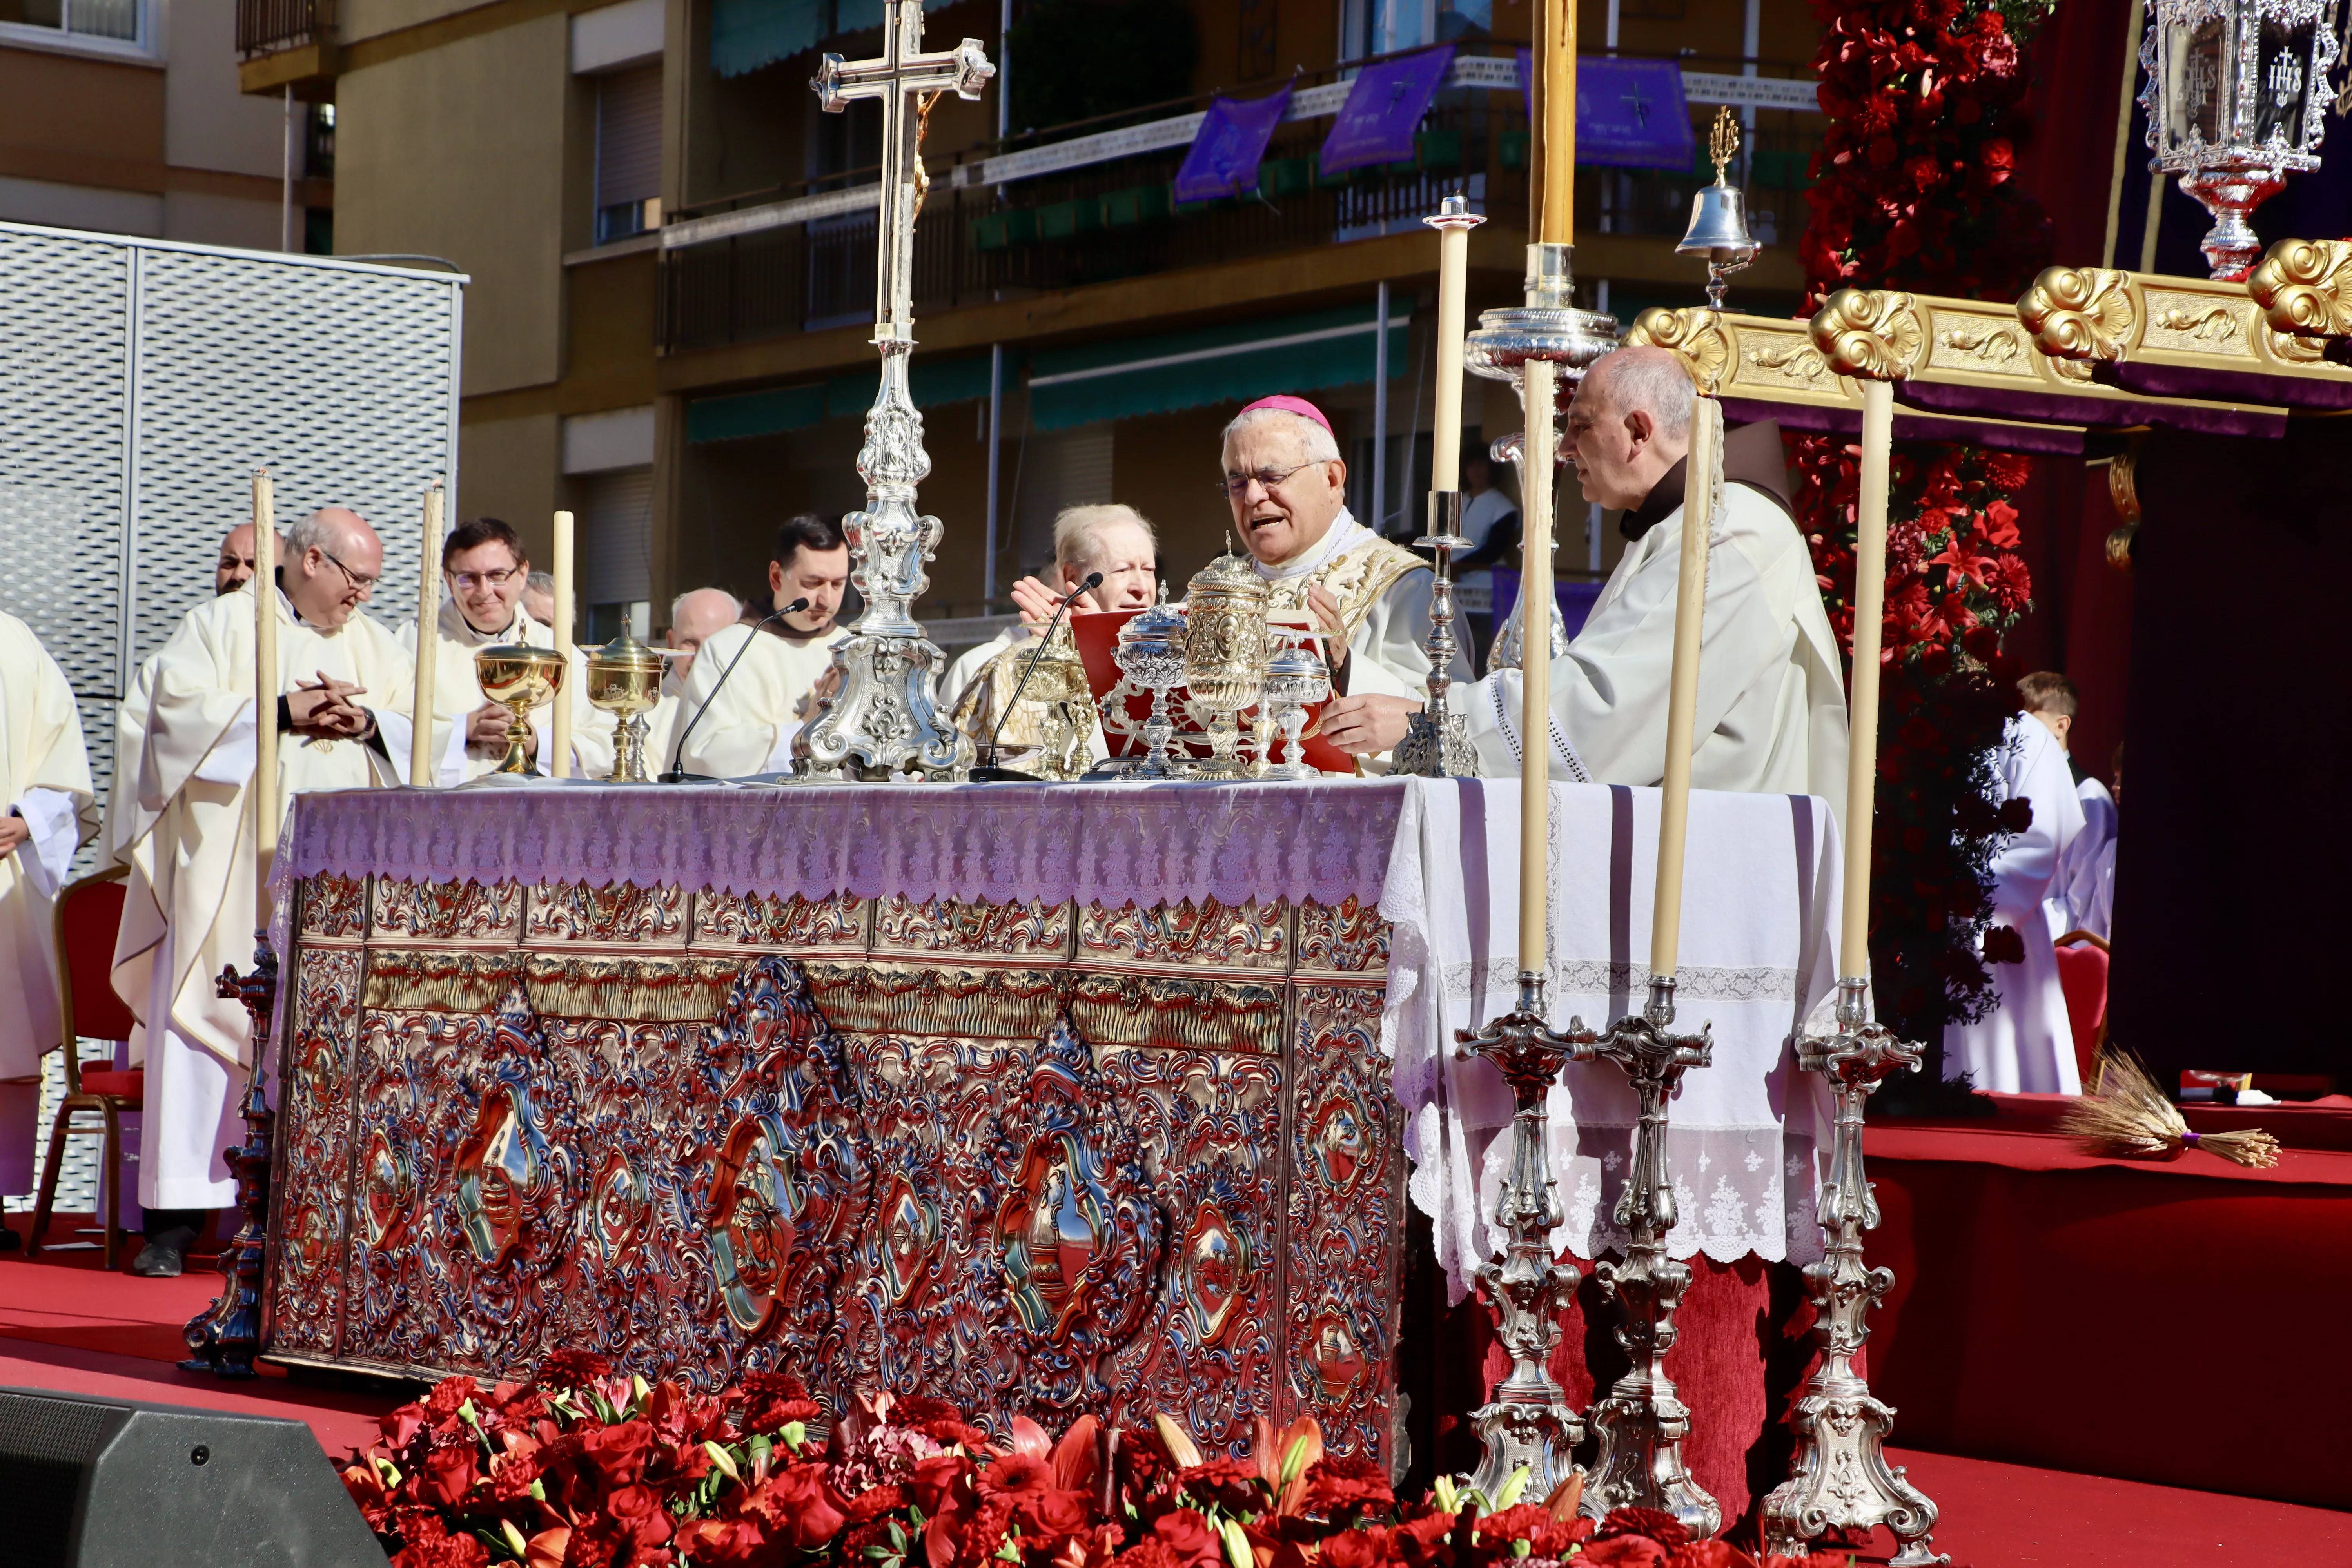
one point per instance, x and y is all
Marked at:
(1771, 693)
(1288, 485)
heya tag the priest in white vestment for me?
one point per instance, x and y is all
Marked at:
(695, 617)
(2023, 1043)
(1288, 487)
(189, 910)
(1116, 542)
(483, 570)
(45, 781)
(1771, 689)
(746, 725)
(2051, 701)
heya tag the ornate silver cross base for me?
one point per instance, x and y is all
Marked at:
(1840, 1479)
(1528, 1424)
(1436, 743)
(224, 1335)
(1641, 1423)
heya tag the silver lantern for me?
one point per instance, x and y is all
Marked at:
(2236, 95)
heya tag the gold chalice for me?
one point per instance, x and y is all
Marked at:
(624, 679)
(1224, 654)
(521, 678)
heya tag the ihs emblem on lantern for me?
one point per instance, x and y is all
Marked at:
(2237, 92)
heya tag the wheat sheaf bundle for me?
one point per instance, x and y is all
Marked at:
(2130, 1118)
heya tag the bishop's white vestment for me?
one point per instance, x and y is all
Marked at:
(1771, 688)
(2023, 1043)
(458, 693)
(189, 910)
(44, 780)
(1383, 592)
(749, 728)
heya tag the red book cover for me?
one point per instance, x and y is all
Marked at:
(1096, 634)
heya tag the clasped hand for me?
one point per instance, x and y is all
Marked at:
(326, 710)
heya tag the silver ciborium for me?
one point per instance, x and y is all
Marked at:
(1151, 653)
(519, 678)
(1296, 679)
(624, 679)
(1224, 653)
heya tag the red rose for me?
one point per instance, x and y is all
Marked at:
(1230, 1484)
(618, 1454)
(937, 1480)
(1057, 1512)
(448, 1476)
(1187, 1535)
(399, 1427)
(637, 1510)
(802, 1506)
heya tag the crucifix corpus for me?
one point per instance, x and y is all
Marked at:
(884, 719)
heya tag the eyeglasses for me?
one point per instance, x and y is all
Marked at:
(1237, 485)
(486, 579)
(360, 586)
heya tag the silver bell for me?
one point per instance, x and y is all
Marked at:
(1719, 223)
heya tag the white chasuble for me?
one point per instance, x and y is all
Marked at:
(1771, 688)
(45, 781)
(189, 908)
(121, 814)
(749, 729)
(2025, 1044)
(458, 693)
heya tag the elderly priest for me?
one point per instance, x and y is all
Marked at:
(484, 568)
(1288, 487)
(1771, 693)
(344, 683)
(747, 726)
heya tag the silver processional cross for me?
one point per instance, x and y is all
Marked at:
(885, 718)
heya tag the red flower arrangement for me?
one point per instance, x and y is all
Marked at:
(1912, 191)
(585, 1469)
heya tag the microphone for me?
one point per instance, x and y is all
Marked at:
(991, 773)
(675, 774)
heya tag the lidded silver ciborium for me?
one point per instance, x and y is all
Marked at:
(1151, 653)
(1224, 653)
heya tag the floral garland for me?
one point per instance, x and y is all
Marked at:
(1912, 190)
(584, 1469)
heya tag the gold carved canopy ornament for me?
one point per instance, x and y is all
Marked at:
(2282, 330)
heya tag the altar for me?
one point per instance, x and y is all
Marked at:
(1035, 1098)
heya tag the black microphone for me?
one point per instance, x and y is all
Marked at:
(991, 773)
(675, 775)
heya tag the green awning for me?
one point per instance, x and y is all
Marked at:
(1213, 364)
(776, 410)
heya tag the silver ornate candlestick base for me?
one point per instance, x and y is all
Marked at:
(1527, 1423)
(1436, 743)
(223, 1338)
(1641, 1423)
(1840, 1478)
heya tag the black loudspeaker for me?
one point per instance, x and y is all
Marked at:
(108, 1483)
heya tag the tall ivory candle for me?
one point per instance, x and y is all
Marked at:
(1682, 699)
(265, 693)
(1535, 667)
(1557, 128)
(1869, 616)
(560, 740)
(428, 642)
(1453, 288)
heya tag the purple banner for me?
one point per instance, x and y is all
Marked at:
(1383, 110)
(1630, 113)
(1229, 146)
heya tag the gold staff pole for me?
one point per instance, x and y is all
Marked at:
(428, 642)
(559, 766)
(265, 694)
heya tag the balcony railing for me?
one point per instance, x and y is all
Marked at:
(270, 27)
(1115, 220)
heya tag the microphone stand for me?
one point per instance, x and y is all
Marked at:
(991, 773)
(674, 773)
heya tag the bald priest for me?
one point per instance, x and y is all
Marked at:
(1771, 693)
(344, 682)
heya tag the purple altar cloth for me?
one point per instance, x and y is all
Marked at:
(1109, 843)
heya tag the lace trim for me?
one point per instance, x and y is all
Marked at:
(1584, 977)
(1559, 743)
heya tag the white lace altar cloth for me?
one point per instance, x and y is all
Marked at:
(1109, 843)
(1757, 950)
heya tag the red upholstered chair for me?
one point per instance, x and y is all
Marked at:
(87, 912)
(2083, 976)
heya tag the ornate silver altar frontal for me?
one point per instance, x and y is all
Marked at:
(2237, 98)
(885, 718)
(142, 383)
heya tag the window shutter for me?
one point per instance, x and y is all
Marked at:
(628, 136)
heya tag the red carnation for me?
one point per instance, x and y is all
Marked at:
(1347, 1483)
(1622, 1552)
(1656, 1523)
(571, 1368)
(449, 1552)
(1230, 1484)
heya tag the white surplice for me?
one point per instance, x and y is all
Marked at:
(457, 692)
(2023, 1043)
(189, 910)
(1771, 689)
(749, 729)
(2072, 892)
(45, 781)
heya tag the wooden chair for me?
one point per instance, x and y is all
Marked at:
(88, 913)
(2083, 976)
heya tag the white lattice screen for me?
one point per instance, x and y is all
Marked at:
(141, 384)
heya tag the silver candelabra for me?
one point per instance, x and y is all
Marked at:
(1436, 743)
(1839, 1478)
(1642, 1421)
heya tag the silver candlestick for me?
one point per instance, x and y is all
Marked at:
(1839, 1478)
(1641, 1423)
(885, 718)
(1527, 1423)
(1436, 743)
